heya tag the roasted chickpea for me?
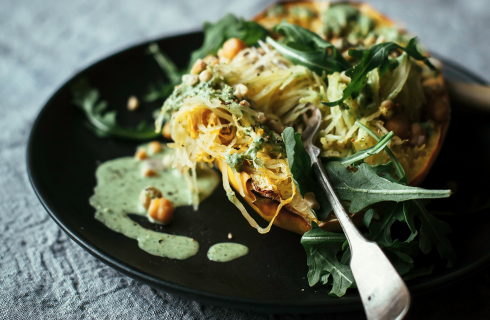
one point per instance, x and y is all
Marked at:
(439, 109)
(419, 135)
(399, 125)
(231, 48)
(162, 210)
(148, 194)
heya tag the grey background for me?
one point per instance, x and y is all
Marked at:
(45, 275)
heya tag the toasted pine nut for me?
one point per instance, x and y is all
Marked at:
(198, 66)
(245, 103)
(205, 76)
(133, 103)
(241, 91)
(190, 79)
(386, 108)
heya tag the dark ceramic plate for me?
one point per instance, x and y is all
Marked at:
(63, 154)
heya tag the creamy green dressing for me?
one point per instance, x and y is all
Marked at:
(226, 251)
(119, 183)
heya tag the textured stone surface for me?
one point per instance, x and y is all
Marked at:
(43, 274)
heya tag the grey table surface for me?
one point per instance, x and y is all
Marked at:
(45, 275)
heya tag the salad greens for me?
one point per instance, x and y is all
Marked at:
(299, 161)
(375, 57)
(215, 35)
(304, 47)
(385, 200)
(103, 122)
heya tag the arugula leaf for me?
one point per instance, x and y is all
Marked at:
(322, 260)
(298, 160)
(400, 172)
(364, 187)
(103, 122)
(433, 232)
(167, 65)
(363, 154)
(215, 35)
(304, 47)
(157, 91)
(375, 57)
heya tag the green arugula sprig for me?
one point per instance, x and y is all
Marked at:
(363, 154)
(299, 161)
(101, 121)
(375, 57)
(399, 171)
(162, 90)
(215, 35)
(385, 199)
(304, 47)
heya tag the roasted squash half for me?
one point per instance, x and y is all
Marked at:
(206, 129)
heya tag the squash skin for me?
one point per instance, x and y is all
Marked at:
(288, 220)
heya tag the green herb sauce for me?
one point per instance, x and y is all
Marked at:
(226, 251)
(119, 183)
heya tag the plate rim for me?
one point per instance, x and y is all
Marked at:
(274, 305)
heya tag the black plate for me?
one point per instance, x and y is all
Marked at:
(62, 157)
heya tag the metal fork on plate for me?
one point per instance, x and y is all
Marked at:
(383, 293)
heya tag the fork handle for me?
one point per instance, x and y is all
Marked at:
(351, 233)
(383, 293)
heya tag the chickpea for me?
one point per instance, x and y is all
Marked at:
(148, 194)
(439, 109)
(419, 135)
(311, 201)
(155, 147)
(166, 131)
(400, 126)
(198, 66)
(232, 47)
(162, 210)
(133, 103)
(141, 154)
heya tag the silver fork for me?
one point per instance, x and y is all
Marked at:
(383, 293)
